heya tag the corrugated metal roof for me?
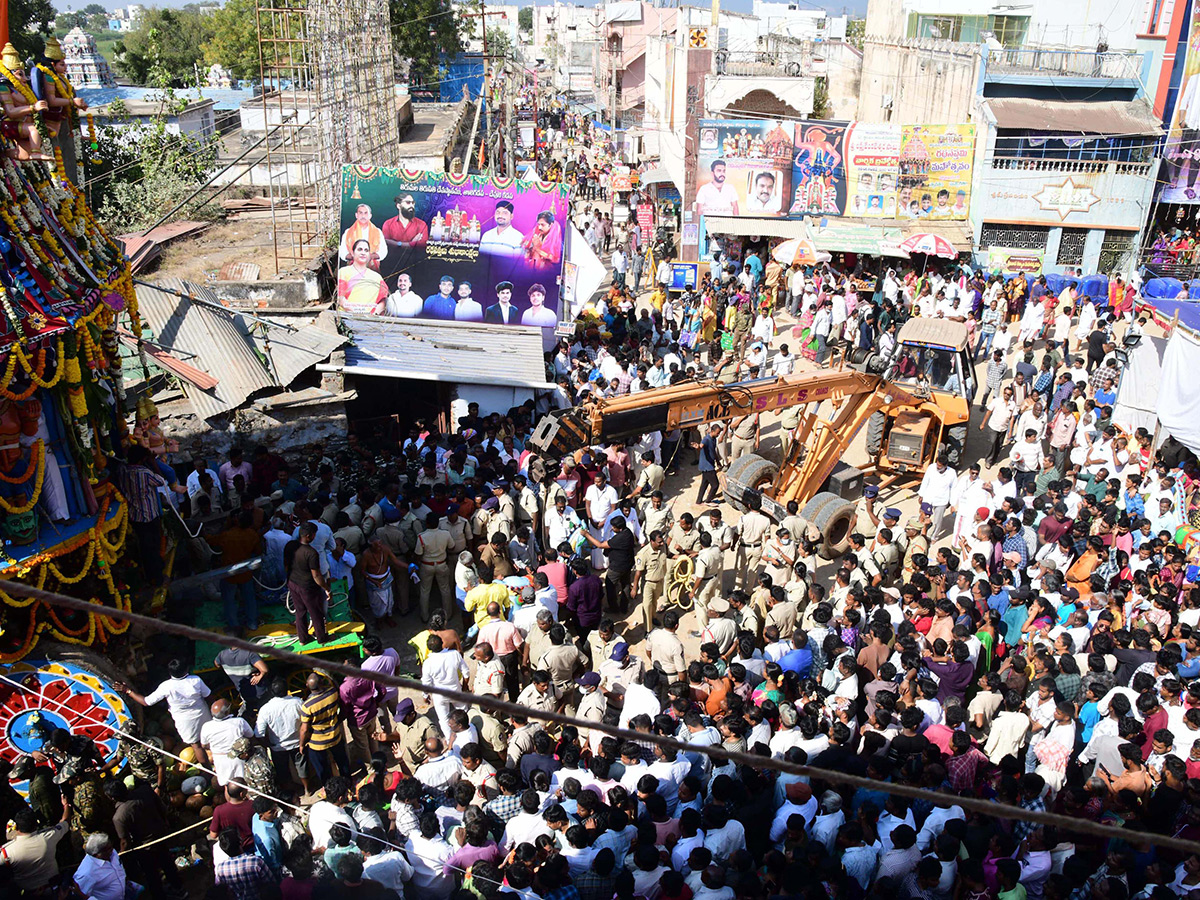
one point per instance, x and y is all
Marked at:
(1112, 117)
(293, 352)
(225, 345)
(458, 352)
(743, 225)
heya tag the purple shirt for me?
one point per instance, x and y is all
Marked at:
(955, 678)
(584, 599)
(468, 855)
(386, 662)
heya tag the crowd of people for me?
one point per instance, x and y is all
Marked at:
(1029, 636)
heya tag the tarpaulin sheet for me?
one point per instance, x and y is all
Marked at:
(1178, 399)
(1137, 399)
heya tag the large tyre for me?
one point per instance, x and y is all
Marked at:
(875, 428)
(834, 520)
(745, 478)
(954, 443)
(816, 504)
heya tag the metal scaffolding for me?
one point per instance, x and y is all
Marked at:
(326, 71)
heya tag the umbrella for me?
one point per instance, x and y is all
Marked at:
(929, 244)
(798, 252)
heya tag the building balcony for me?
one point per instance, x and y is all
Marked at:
(1072, 166)
(1037, 65)
(763, 63)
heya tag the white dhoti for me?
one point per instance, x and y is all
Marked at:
(379, 594)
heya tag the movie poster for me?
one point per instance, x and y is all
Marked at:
(426, 245)
(935, 171)
(743, 167)
(819, 170)
(1181, 164)
(872, 168)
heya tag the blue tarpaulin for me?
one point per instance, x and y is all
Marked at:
(462, 70)
(1189, 311)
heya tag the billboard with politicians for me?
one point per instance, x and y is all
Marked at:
(744, 167)
(1181, 165)
(427, 245)
(876, 171)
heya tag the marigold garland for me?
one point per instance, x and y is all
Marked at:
(37, 491)
(39, 451)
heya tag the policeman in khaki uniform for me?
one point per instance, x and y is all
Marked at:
(917, 543)
(651, 478)
(886, 553)
(649, 577)
(655, 515)
(711, 522)
(752, 530)
(789, 421)
(710, 565)
(872, 573)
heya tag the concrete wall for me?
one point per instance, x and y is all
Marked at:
(843, 73)
(930, 82)
(491, 398)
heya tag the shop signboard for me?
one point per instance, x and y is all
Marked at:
(1015, 261)
(743, 167)
(427, 245)
(645, 220)
(872, 166)
(935, 171)
(819, 170)
(620, 179)
(684, 275)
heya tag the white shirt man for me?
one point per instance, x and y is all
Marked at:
(404, 302)
(784, 363)
(1026, 454)
(600, 500)
(218, 735)
(279, 722)
(186, 702)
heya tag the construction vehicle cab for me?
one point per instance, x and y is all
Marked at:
(932, 362)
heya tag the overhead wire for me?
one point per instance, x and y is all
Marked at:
(759, 763)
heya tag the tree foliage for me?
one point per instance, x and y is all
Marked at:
(234, 39)
(423, 31)
(167, 41)
(147, 170)
(28, 23)
(856, 30)
(525, 18)
(499, 43)
(820, 108)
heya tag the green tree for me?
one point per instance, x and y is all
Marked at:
(234, 40)
(168, 40)
(499, 43)
(820, 99)
(28, 23)
(856, 30)
(422, 32)
(66, 21)
(525, 18)
(94, 9)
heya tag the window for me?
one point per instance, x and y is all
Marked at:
(940, 28)
(1019, 237)
(1070, 248)
(1010, 30)
(1011, 143)
(1115, 249)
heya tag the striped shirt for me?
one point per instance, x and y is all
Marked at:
(140, 486)
(323, 715)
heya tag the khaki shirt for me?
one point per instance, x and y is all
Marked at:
(686, 541)
(459, 531)
(602, 649)
(710, 563)
(746, 427)
(783, 617)
(753, 527)
(651, 478)
(562, 662)
(887, 557)
(493, 735)
(666, 651)
(651, 563)
(538, 642)
(653, 519)
(432, 547)
(527, 506)
(394, 539)
(412, 739)
(919, 544)
(722, 534)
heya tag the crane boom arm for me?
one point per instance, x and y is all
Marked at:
(698, 403)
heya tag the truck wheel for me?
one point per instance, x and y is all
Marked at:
(834, 520)
(746, 477)
(954, 444)
(875, 428)
(815, 505)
